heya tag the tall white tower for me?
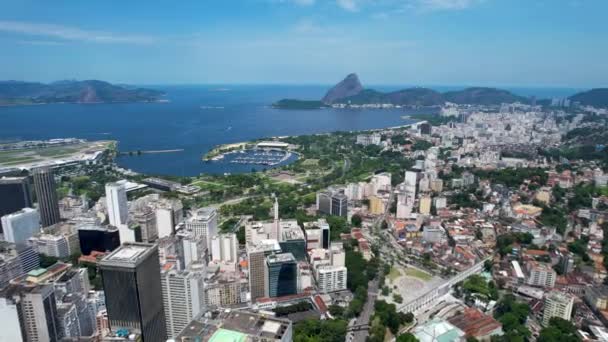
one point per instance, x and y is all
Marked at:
(277, 222)
(116, 201)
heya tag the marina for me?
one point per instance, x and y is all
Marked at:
(256, 156)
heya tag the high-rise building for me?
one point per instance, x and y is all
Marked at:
(203, 223)
(46, 194)
(425, 205)
(332, 202)
(71, 290)
(146, 220)
(331, 278)
(411, 182)
(21, 225)
(132, 286)
(325, 233)
(29, 313)
(15, 194)
(15, 261)
(183, 296)
(225, 289)
(597, 297)
(557, 304)
(116, 202)
(282, 275)
(376, 205)
(257, 253)
(224, 247)
(292, 239)
(337, 256)
(437, 185)
(540, 274)
(57, 246)
(190, 248)
(156, 216)
(324, 202)
(566, 263)
(339, 204)
(96, 238)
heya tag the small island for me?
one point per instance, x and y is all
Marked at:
(299, 104)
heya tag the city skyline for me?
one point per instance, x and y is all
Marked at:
(442, 42)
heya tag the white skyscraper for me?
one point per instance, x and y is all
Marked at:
(183, 297)
(164, 222)
(224, 247)
(193, 248)
(277, 222)
(21, 225)
(557, 304)
(331, 278)
(203, 223)
(116, 201)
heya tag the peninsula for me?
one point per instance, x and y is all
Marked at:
(90, 91)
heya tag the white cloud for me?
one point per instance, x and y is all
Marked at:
(349, 5)
(41, 42)
(72, 33)
(444, 5)
(304, 2)
(295, 2)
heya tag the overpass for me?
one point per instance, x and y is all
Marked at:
(434, 295)
(358, 327)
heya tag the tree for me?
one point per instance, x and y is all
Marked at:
(407, 337)
(46, 261)
(559, 330)
(336, 310)
(356, 221)
(488, 265)
(397, 298)
(318, 330)
(408, 317)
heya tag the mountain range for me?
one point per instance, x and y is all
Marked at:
(90, 91)
(351, 91)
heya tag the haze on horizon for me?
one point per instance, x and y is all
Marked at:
(557, 43)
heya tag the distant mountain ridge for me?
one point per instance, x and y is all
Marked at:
(346, 92)
(351, 91)
(597, 97)
(70, 91)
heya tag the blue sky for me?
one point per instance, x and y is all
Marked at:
(559, 43)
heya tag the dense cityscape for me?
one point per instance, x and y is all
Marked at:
(304, 171)
(476, 223)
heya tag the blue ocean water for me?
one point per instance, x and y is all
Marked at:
(196, 119)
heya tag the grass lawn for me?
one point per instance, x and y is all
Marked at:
(205, 185)
(14, 159)
(394, 274)
(58, 151)
(310, 162)
(416, 273)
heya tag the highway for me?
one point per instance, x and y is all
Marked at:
(366, 314)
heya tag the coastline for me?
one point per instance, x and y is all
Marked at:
(220, 151)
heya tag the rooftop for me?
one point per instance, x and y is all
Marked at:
(282, 257)
(128, 254)
(224, 335)
(256, 324)
(203, 214)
